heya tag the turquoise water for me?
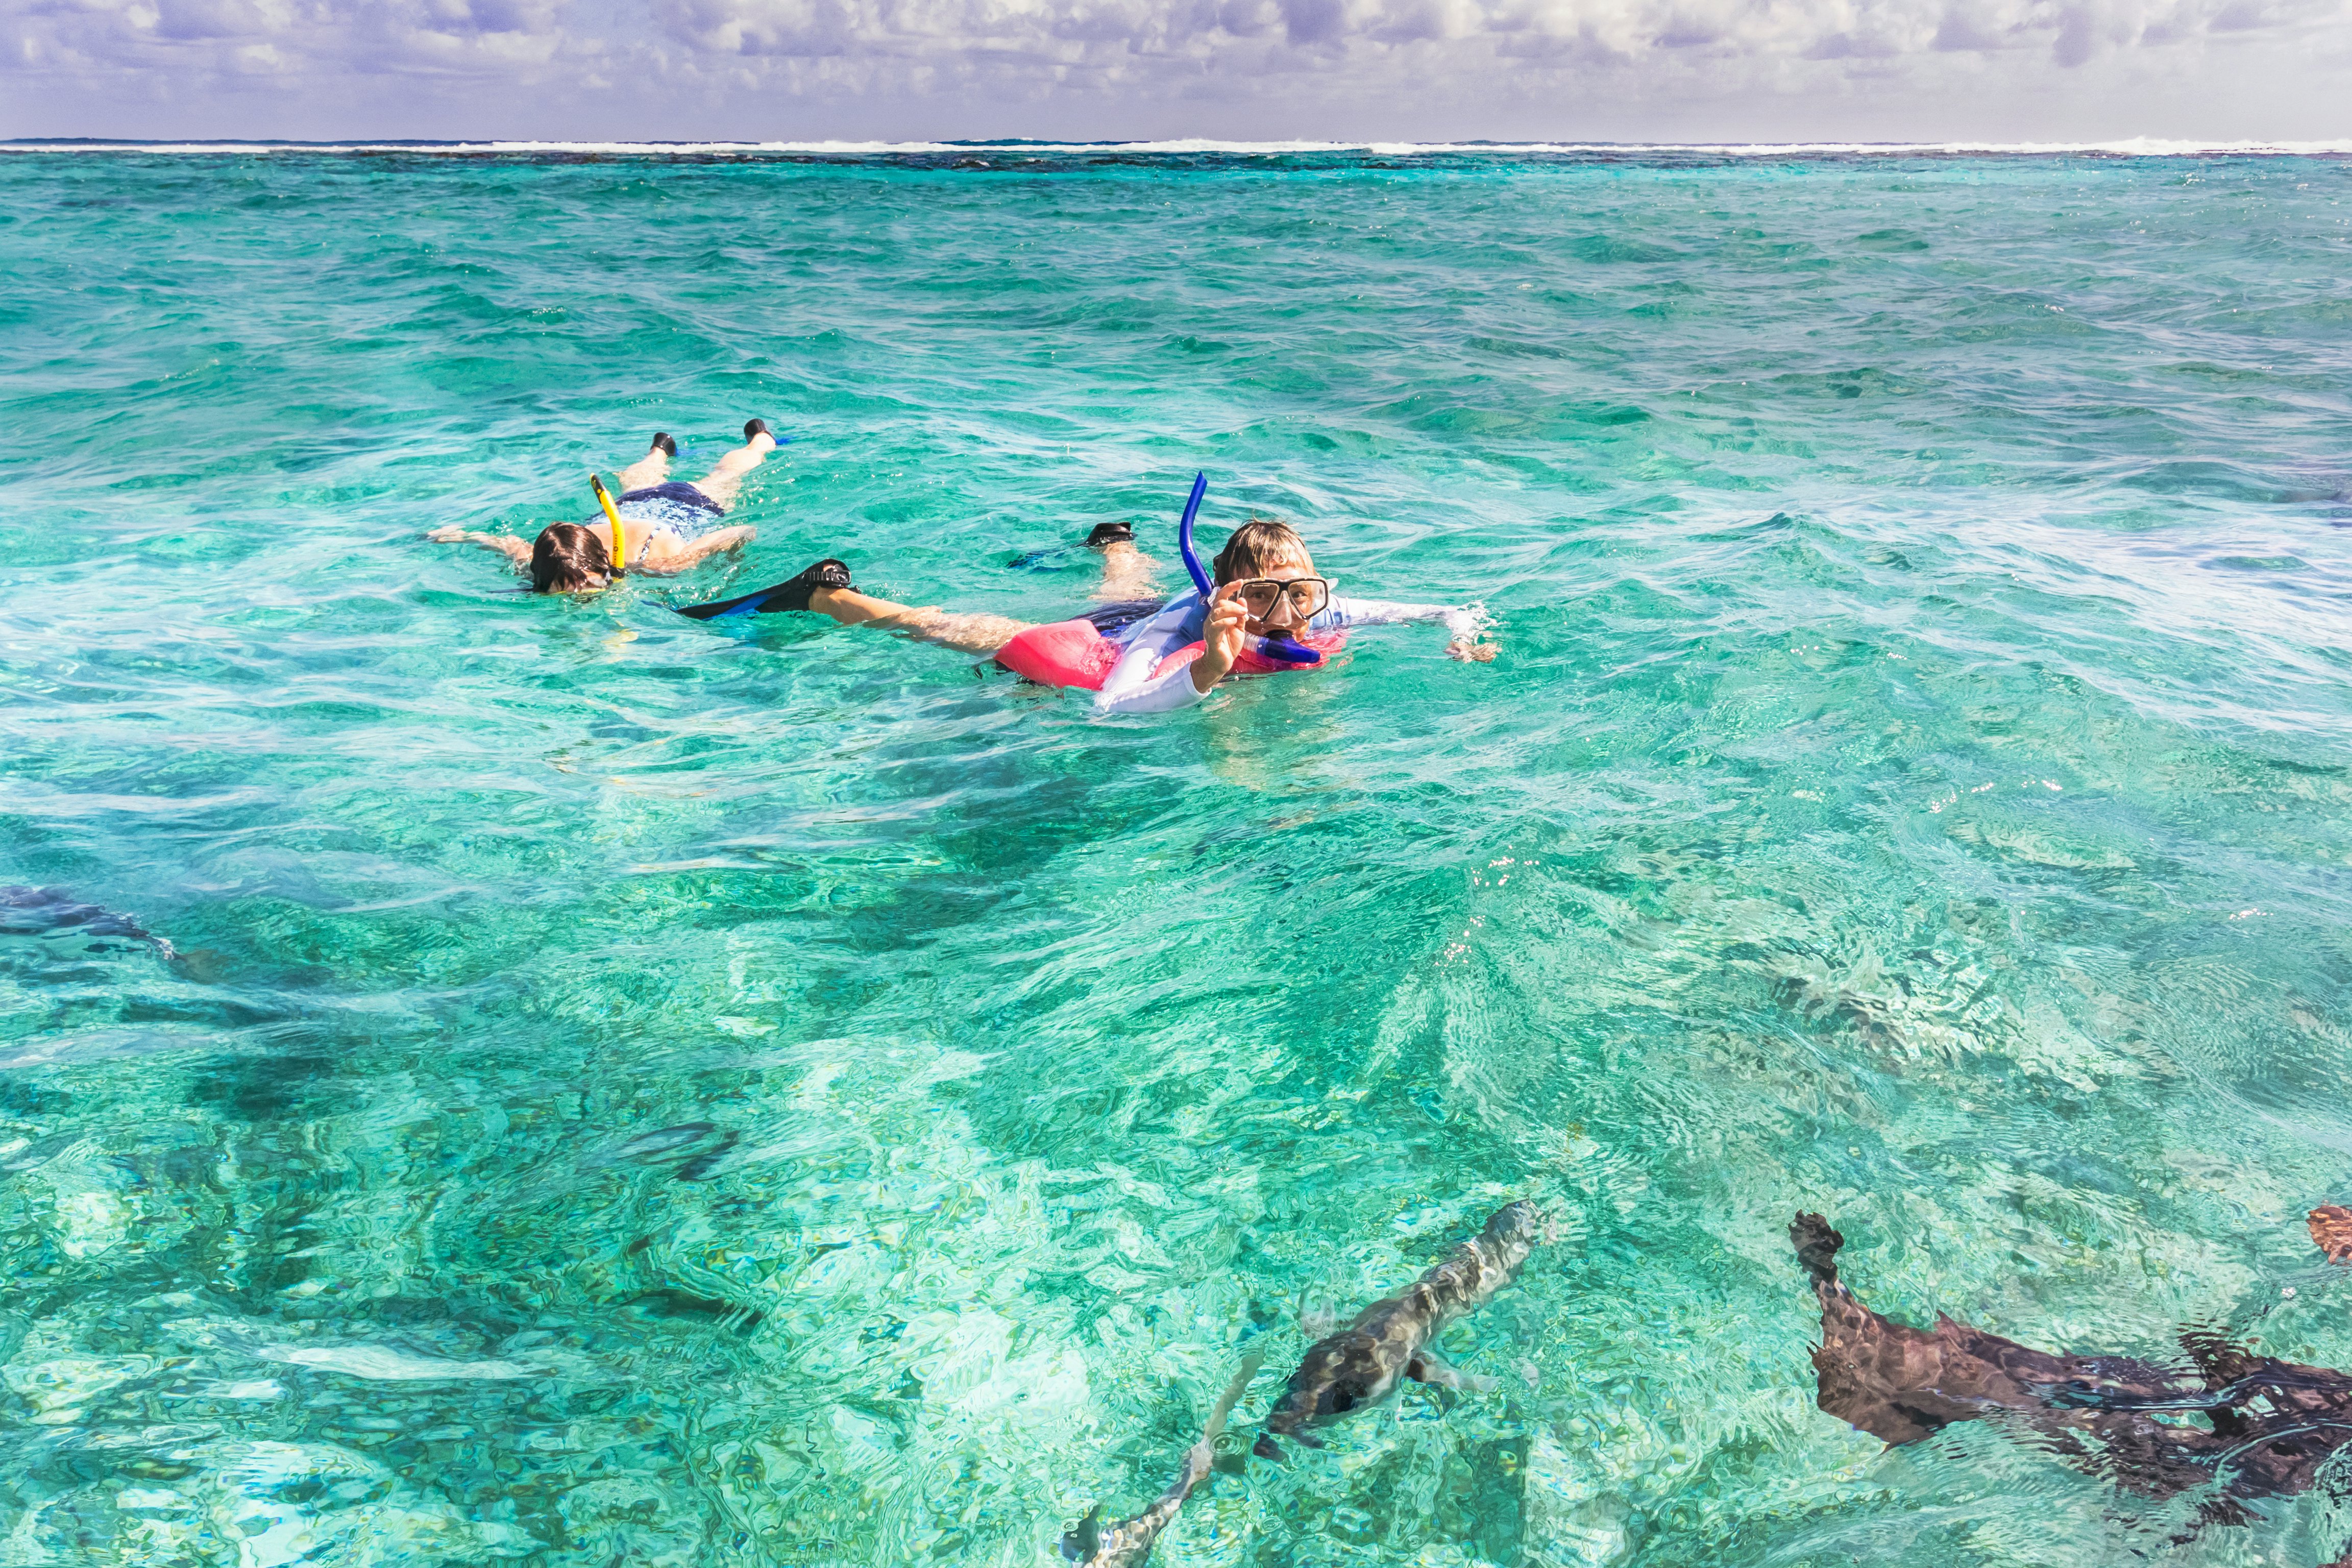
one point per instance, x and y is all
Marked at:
(638, 1092)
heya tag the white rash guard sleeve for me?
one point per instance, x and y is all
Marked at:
(1462, 622)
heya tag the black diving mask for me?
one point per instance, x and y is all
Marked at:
(1307, 596)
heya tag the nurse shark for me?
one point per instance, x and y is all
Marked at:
(2270, 1428)
(1393, 1338)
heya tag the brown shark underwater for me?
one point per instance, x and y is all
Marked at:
(1390, 1340)
(1352, 1369)
(2273, 1424)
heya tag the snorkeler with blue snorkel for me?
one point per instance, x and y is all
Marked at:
(1266, 610)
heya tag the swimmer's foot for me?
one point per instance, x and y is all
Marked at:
(792, 594)
(663, 443)
(1107, 533)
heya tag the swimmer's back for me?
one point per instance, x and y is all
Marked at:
(675, 507)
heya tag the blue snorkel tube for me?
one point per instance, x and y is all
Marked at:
(1277, 648)
(1184, 538)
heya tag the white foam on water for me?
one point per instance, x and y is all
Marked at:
(383, 1365)
(2127, 147)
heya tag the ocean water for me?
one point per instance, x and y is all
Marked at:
(632, 1091)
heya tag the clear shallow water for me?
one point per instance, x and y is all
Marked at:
(634, 1093)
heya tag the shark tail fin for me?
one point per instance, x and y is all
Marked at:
(1817, 1246)
(1083, 1541)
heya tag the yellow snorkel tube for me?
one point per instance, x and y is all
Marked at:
(620, 551)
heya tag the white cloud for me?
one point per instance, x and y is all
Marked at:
(1298, 67)
(1124, 42)
(126, 38)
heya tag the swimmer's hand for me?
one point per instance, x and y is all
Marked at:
(1221, 639)
(1470, 652)
(447, 533)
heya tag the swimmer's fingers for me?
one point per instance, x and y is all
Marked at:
(1471, 652)
(447, 533)
(1226, 627)
(1228, 620)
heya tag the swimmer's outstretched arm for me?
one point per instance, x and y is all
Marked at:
(513, 549)
(1464, 626)
(666, 554)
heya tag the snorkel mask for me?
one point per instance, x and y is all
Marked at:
(1277, 649)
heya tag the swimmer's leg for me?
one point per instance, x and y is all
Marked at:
(824, 590)
(972, 632)
(1126, 571)
(721, 482)
(653, 467)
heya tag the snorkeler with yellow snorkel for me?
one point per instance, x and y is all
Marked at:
(657, 525)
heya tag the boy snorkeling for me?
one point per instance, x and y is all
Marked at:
(1267, 610)
(668, 523)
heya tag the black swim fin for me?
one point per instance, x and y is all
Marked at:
(792, 594)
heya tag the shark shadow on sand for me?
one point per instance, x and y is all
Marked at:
(50, 911)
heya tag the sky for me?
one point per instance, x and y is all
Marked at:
(1676, 70)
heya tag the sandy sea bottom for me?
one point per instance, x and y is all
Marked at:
(633, 1091)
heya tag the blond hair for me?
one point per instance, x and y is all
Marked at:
(1258, 545)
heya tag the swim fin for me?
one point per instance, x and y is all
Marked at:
(792, 594)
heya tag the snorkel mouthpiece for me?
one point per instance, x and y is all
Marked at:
(1289, 652)
(1279, 648)
(620, 530)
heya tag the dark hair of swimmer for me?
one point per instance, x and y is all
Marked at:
(566, 558)
(1257, 547)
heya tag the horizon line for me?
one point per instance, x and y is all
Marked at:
(2138, 147)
